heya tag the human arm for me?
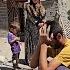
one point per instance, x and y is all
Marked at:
(43, 60)
(12, 38)
(16, 39)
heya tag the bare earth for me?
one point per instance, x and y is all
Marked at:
(5, 52)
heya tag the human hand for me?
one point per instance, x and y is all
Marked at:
(40, 24)
(38, 5)
(17, 38)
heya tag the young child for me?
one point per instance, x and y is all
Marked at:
(14, 43)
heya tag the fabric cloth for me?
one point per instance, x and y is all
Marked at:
(35, 11)
(64, 56)
(15, 47)
(62, 68)
(31, 30)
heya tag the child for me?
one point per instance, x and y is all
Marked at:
(14, 43)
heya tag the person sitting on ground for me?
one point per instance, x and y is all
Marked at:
(63, 58)
(44, 36)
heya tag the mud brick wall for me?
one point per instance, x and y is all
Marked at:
(3, 15)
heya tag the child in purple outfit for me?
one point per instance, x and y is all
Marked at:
(14, 43)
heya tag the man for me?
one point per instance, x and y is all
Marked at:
(63, 58)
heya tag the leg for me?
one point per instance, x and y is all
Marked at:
(26, 57)
(14, 61)
(17, 59)
(42, 39)
(26, 51)
(26, 42)
(35, 61)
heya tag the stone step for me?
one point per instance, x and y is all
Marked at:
(3, 15)
(3, 10)
(3, 4)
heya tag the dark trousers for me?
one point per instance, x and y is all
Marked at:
(15, 60)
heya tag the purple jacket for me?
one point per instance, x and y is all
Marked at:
(15, 47)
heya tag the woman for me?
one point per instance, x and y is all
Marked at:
(35, 14)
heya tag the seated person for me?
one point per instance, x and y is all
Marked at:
(63, 58)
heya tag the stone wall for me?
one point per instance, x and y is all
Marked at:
(64, 6)
(3, 19)
(3, 15)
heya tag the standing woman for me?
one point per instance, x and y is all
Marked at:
(35, 14)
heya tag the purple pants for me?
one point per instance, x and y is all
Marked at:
(62, 68)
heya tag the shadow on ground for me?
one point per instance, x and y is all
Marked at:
(21, 61)
(5, 68)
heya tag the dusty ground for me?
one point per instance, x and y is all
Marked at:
(6, 52)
